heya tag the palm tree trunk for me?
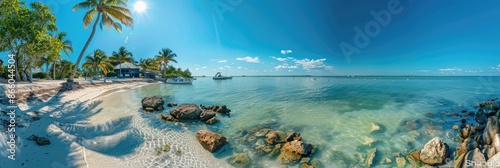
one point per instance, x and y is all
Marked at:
(72, 75)
(54, 70)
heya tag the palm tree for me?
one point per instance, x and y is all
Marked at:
(165, 56)
(66, 47)
(120, 57)
(97, 60)
(148, 63)
(106, 12)
(64, 66)
(45, 61)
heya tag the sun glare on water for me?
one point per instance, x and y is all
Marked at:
(140, 6)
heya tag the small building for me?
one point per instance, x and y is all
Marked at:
(128, 70)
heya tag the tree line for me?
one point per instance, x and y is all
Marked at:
(30, 33)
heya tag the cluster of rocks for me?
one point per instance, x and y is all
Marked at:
(219, 109)
(478, 143)
(287, 148)
(206, 114)
(191, 112)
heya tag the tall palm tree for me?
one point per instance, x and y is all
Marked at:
(97, 60)
(165, 56)
(106, 12)
(120, 57)
(45, 61)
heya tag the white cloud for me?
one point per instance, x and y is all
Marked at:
(286, 51)
(228, 67)
(239, 67)
(279, 58)
(450, 69)
(204, 67)
(496, 68)
(222, 61)
(249, 59)
(126, 40)
(286, 66)
(309, 64)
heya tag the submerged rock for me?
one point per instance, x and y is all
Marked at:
(211, 121)
(186, 112)
(152, 104)
(434, 152)
(211, 141)
(39, 140)
(374, 127)
(219, 109)
(293, 136)
(294, 150)
(206, 115)
(370, 156)
(368, 141)
(171, 104)
(401, 162)
(241, 160)
(271, 137)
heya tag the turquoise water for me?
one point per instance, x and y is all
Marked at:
(335, 114)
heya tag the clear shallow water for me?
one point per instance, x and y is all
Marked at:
(332, 113)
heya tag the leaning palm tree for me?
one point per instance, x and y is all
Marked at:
(64, 67)
(110, 13)
(97, 60)
(165, 56)
(122, 56)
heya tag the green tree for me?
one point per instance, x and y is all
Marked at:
(148, 63)
(120, 57)
(25, 32)
(165, 56)
(106, 12)
(98, 61)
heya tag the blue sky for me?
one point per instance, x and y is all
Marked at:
(277, 37)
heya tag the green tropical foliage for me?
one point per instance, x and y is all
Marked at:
(120, 57)
(25, 32)
(98, 62)
(164, 57)
(148, 64)
(172, 71)
(110, 13)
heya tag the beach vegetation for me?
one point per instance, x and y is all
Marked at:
(148, 64)
(165, 56)
(172, 71)
(109, 13)
(97, 63)
(121, 56)
(26, 33)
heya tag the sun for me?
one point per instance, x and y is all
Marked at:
(140, 6)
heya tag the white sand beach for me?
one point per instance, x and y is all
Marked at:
(82, 136)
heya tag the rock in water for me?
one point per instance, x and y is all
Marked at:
(271, 137)
(186, 112)
(211, 121)
(240, 160)
(293, 136)
(371, 156)
(171, 104)
(374, 127)
(206, 115)
(294, 150)
(152, 103)
(496, 143)
(42, 141)
(401, 161)
(434, 152)
(490, 130)
(211, 141)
